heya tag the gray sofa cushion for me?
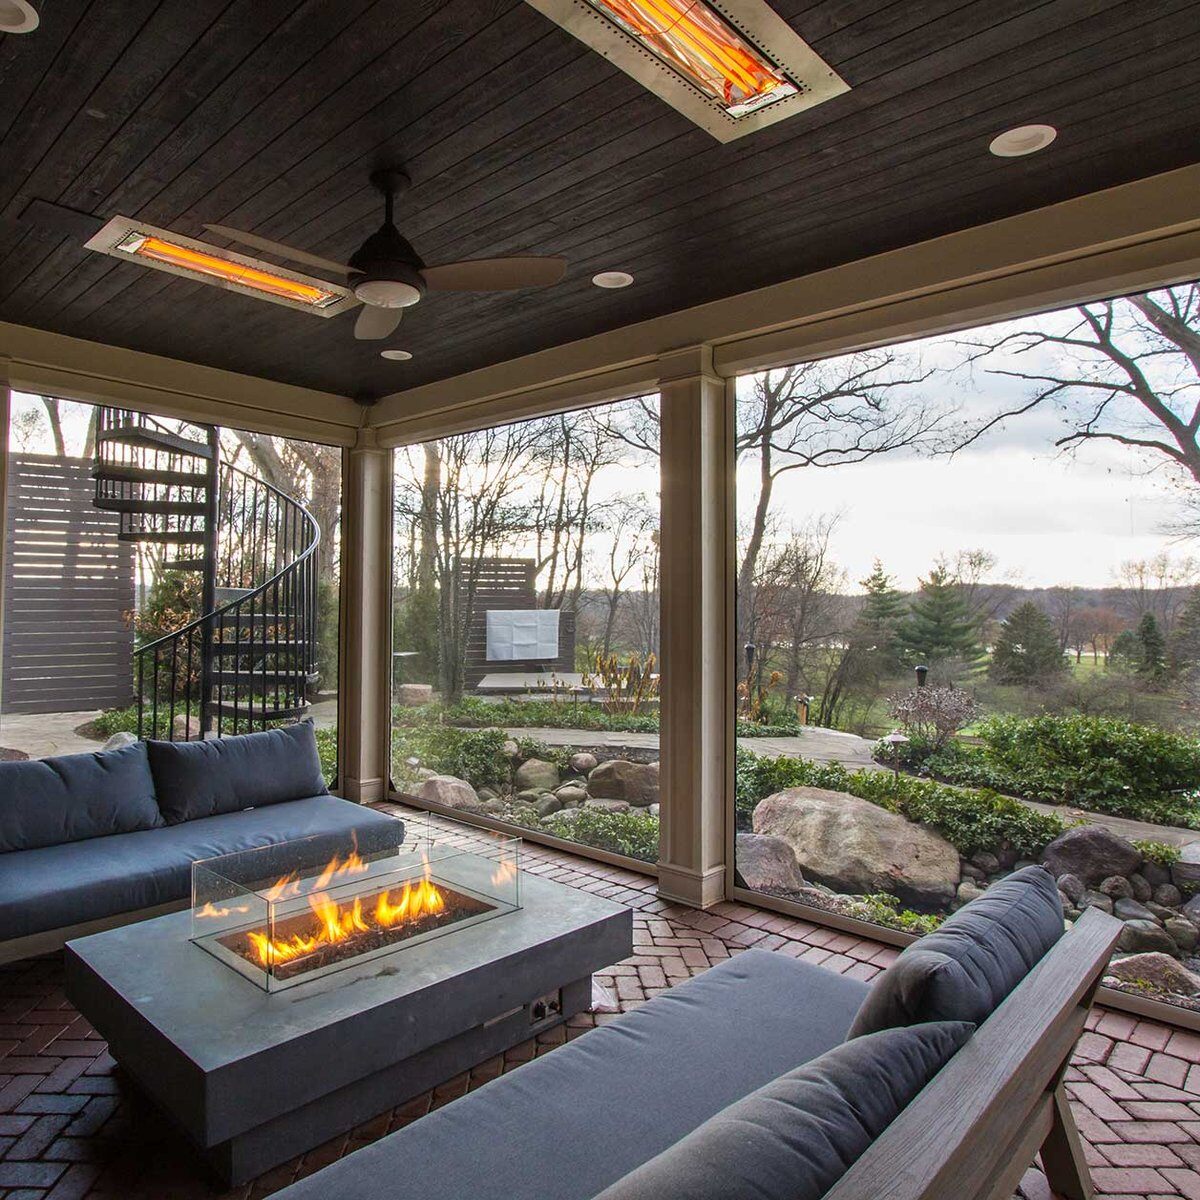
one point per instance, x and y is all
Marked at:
(963, 970)
(796, 1136)
(75, 796)
(204, 779)
(568, 1124)
(58, 886)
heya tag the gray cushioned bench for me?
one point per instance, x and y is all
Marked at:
(742, 1082)
(89, 841)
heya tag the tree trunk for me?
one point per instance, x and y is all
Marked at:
(56, 429)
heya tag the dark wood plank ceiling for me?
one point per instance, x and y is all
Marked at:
(269, 115)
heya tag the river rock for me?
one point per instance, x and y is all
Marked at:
(1143, 890)
(1139, 936)
(968, 891)
(767, 862)
(536, 774)
(118, 740)
(1183, 933)
(582, 763)
(185, 728)
(987, 862)
(548, 804)
(1072, 887)
(571, 796)
(1128, 909)
(1097, 900)
(450, 791)
(1155, 873)
(1160, 971)
(1091, 852)
(615, 806)
(855, 846)
(1191, 908)
(620, 779)
(1118, 887)
(1168, 895)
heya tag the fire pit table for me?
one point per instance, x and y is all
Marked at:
(306, 991)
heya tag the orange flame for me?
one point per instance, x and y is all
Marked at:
(210, 911)
(504, 873)
(336, 923)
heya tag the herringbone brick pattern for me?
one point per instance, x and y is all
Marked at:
(72, 1126)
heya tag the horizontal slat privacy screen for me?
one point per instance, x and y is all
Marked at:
(68, 585)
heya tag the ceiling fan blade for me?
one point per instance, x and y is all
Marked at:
(495, 274)
(269, 247)
(374, 323)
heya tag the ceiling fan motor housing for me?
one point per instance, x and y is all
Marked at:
(385, 270)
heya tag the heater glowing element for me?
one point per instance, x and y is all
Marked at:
(160, 250)
(701, 45)
(164, 250)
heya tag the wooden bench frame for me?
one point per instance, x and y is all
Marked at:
(975, 1129)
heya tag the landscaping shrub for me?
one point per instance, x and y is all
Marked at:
(632, 833)
(1098, 763)
(933, 714)
(970, 821)
(471, 711)
(476, 755)
(327, 750)
(880, 908)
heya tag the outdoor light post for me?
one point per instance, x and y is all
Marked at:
(922, 673)
(896, 739)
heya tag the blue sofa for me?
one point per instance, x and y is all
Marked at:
(89, 841)
(769, 1078)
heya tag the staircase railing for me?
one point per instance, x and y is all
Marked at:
(247, 660)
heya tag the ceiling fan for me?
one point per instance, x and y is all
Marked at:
(388, 276)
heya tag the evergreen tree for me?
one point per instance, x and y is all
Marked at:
(879, 617)
(1125, 651)
(1152, 648)
(1027, 648)
(1185, 641)
(939, 626)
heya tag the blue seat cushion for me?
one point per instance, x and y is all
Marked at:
(59, 886)
(796, 1136)
(964, 969)
(204, 779)
(573, 1121)
(45, 802)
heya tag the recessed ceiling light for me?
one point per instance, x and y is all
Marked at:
(17, 16)
(612, 279)
(1024, 139)
(395, 355)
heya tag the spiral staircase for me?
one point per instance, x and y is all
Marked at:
(248, 660)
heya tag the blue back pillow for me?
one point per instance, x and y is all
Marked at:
(796, 1136)
(964, 969)
(202, 779)
(49, 801)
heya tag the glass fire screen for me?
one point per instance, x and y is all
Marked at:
(288, 914)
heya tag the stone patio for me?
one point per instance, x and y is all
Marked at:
(71, 1126)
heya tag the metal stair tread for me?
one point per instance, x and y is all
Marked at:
(128, 473)
(156, 508)
(155, 439)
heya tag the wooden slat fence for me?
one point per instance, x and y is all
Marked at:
(509, 583)
(68, 582)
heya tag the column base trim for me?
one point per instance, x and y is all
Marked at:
(700, 889)
(364, 791)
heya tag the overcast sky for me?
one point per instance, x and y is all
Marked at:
(1048, 517)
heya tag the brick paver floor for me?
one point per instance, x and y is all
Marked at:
(72, 1126)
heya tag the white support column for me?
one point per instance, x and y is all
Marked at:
(365, 675)
(697, 487)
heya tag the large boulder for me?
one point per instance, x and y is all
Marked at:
(412, 695)
(1091, 852)
(450, 791)
(118, 740)
(852, 845)
(534, 774)
(1160, 972)
(767, 862)
(620, 779)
